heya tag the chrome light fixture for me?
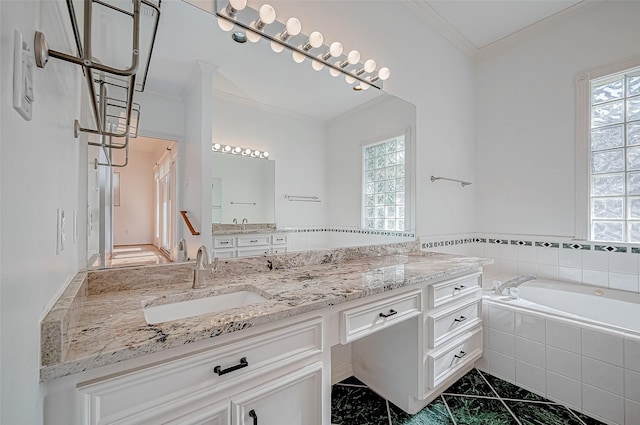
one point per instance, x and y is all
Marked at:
(263, 24)
(238, 150)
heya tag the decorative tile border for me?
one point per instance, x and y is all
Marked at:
(578, 246)
(354, 231)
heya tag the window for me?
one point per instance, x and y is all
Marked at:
(614, 201)
(384, 185)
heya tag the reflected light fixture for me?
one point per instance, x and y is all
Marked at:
(261, 23)
(238, 150)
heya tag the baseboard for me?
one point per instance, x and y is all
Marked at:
(341, 372)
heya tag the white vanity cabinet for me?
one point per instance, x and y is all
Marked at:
(447, 340)
(249, 245)
(218, 386)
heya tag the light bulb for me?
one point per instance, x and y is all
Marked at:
(369, 65)
(224, 24)
(227, 148)
(265, 154)
(216, 147)
(238, 4)
(349, 79)
(246, 152)
(297, 57)
(256, 153)
(317, 65)
(384, 73)
(253, 36)
(334, 72)
(335, 49)
(362, 86)
(237, 149)
(316, 39)
(276, 47)
(267, 15)
(353, 57)
(293, 26)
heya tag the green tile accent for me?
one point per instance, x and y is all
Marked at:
(478, 411)
(610, 248)
(548, 244)
(577, 246)
(635, 250)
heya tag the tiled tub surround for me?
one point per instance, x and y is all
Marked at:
(111, 326)
(611, 265)
(593, 369)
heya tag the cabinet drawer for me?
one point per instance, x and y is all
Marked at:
(361, 321)
(446, 324)
(154, 390)
(256, 252)
(444, 362)
(279, 239)
(452, 290)
(223, 253)
(279, 250)
(223, 242)
(254, 240)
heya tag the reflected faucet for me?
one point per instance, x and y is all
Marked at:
(182, 250)
(203, 263)
(501, 288)
(235, 221)
(244, 221)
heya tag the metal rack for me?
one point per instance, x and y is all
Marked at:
(111, 89)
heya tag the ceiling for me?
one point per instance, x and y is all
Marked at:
(188, 34)
(484, 22)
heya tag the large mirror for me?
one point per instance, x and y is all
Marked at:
(313, 125)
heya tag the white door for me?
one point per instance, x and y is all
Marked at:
(294, 399)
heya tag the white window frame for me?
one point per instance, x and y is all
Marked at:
(583, 140)
(409, 178)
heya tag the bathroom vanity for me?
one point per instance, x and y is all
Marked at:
(413, 320)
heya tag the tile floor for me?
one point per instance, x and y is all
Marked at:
(476, 398)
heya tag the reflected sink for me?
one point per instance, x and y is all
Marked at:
(191, 308)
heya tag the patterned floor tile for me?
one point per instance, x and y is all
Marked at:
(508, 390)
(352, 380)
(542, 413)
(479, 411)
(471, 384)
(357, 406)
(434, 414)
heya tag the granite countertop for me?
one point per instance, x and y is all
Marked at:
(100, 320)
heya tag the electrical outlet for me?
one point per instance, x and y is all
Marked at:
(60, 234)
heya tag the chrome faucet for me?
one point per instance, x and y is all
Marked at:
(182, 250)
(501, 288)
(235, 221)
(203, 263)
(244, 221)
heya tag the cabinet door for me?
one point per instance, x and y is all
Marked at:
(294, 399)
(215, 414)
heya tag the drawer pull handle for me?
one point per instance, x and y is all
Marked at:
(460, 319)
(252, 414)
(253, 241)
(459, 288)
(220, 371)
(224, 243)
(391, 313)
(460, 355)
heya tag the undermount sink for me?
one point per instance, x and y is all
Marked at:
(191, 308)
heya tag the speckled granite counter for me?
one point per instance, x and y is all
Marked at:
(99, 320)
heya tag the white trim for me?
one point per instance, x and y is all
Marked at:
(583, 95)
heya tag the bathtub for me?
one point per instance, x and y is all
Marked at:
(575, 344)
(618, 311)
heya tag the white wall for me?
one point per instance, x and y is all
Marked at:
(133, 219)
(297, 145)
(380, 119)
(40, 172)
(526, 113)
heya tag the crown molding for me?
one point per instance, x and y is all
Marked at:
(448, 31)
(536, 28)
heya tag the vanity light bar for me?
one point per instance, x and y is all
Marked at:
(238, 150)
(363, 75)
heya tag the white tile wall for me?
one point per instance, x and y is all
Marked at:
(594, 372)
